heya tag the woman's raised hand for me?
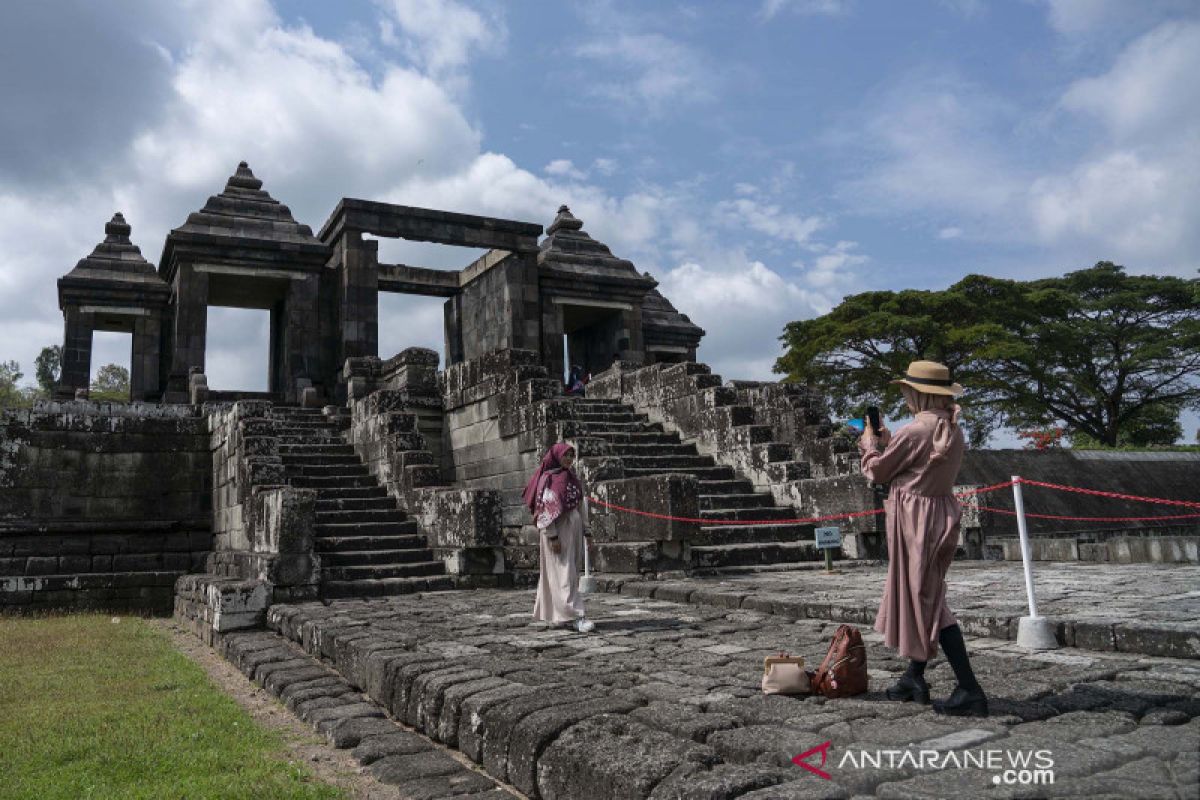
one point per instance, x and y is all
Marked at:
(870, 441)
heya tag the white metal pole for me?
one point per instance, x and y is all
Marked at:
(1024, 532)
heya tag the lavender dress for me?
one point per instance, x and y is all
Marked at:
(922, 533)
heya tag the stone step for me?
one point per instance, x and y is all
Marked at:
(387, 586)
(370, 515)
(358, 558)
(598, 428)
(749, 512)
(712, 500)
(358, 544)
(641, 437)
(596, 402)
(626, 449)
(741, 555)
(408, 526)
(726, 486)
(304, 423)
(314, 437)
(667, 463)
(307, 459)
(338, 494)
(613, 416)
(333, 482)
(382, 571)
(327, 504)
(354, 469)
(716, 474)
(317, 449)
(749, 534)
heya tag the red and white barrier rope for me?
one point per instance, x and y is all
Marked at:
(965, 493)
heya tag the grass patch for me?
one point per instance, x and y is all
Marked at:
(95, 709)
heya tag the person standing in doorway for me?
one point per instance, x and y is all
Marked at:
(556, 498)
(921, 465)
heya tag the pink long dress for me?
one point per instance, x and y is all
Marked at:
(922, 533)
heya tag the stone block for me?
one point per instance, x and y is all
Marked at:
(613, 756)
(671, 495)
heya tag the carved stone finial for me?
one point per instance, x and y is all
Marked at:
(243, 178)
(564, 221)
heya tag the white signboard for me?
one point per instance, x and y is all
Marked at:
(828, 537)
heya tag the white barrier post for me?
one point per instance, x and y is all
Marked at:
(1033, 632)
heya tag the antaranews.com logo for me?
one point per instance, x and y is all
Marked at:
(1020, 767)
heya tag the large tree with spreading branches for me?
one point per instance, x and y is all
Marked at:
(1113, 357)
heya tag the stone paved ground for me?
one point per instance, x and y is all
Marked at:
(1152, 609)
(663, 701)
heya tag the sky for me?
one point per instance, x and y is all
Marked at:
(760, 159)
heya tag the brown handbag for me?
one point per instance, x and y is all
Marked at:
(843, 672)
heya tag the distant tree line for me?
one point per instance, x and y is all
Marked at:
(111, 382)
(1112, 358)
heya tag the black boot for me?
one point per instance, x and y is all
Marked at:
(967, 699)
(912, 685)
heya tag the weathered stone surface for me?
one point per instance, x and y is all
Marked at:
(395, 742)
(611, 756)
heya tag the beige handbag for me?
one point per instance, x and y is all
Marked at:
(784, 674)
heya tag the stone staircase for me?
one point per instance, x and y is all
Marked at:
(645, 448)
(368, 546)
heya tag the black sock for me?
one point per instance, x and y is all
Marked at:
(916, 669)
(951, 640)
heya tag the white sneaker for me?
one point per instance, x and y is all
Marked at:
(584, 625)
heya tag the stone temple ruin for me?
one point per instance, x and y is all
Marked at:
(358, 476)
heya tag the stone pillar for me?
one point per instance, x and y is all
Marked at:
(299, 347)
(358, 292)
(190, 329)
(144, 362)
(77, 353)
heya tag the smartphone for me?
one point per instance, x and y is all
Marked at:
(873, 418)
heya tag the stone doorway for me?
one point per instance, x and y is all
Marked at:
(594, 335)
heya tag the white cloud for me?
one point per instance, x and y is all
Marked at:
(1137, 196)
(647, 71)
(440, 36)
(831, 270)
(806, 7)
(1088, 17)
(743, 305)
(770, 219)
(950, 233)
(564, 168)
(605, 166)
(1152, 89)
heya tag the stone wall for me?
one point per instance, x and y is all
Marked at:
(102, 505)
(1171, 475)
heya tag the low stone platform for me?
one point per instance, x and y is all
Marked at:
(663, 701)
(318, 695)
(1151, 609)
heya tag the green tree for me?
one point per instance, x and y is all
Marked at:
(10, 393)
(110, 384)
(47, 367)
(1099, 350)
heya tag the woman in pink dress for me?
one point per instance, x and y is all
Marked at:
(921, 465)
(556, 498)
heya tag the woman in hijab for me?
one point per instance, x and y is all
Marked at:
(921, 463)
(556, 498)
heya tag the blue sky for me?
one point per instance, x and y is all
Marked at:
(760, 159)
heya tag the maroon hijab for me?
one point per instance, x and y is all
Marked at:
(551, 473)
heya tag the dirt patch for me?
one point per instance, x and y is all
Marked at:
(333, 766)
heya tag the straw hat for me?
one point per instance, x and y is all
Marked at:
(930, 377)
